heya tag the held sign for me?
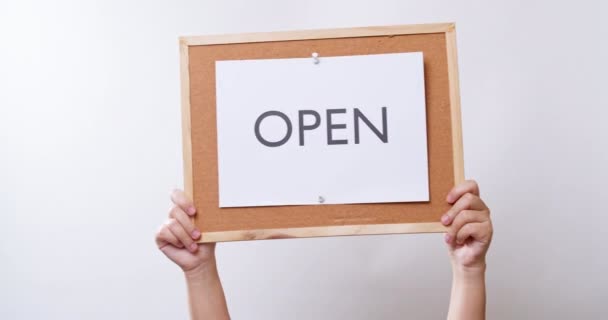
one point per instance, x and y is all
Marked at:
(346, 130)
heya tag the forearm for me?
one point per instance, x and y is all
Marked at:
(205, 293)
(468, 298)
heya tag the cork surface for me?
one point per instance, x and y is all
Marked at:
(211, 218)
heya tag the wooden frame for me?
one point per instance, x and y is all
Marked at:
(448, 29)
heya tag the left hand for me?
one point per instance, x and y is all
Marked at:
(469, 228)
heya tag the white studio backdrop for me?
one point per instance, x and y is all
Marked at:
(90, 147)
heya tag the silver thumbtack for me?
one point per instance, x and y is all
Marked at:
(315, 57)
(321, 199)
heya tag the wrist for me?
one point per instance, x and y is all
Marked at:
(201, 272)
(471, 272)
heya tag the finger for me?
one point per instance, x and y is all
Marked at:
(180, 199)
(479, 231)
(164, 236)
(467, 186)
(180, 233)
(178, 214)
(464, 217)
(468, 201)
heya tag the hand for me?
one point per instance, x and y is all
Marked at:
(176, 238)
(469, 227)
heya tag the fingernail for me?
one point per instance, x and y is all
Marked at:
(447, 238)
(449, 198)
(196, 234)
(445, 219)
(191, 210)
(193, 247)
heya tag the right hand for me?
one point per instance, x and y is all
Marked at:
(176, 238)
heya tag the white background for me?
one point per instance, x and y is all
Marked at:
(90, 147)
(252, 174)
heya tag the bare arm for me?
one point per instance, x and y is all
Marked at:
(468, 240)
(468, 298)
(205, 294)
(176, 238)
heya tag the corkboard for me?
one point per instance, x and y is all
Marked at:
(198, 56)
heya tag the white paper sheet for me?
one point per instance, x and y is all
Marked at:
(372, 171)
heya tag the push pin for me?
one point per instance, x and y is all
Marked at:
(321, 199)
(315, 57)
